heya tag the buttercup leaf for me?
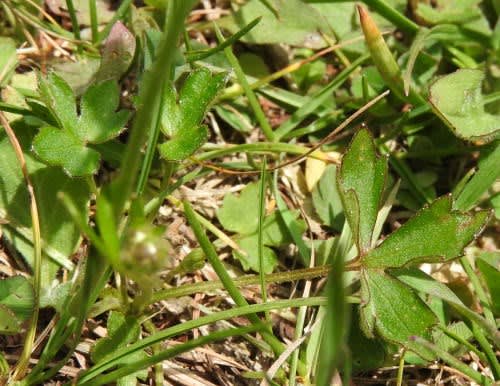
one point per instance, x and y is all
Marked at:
(182, 114)
(436, 233)
(458, 100)
(98, 122)
(393, 311)
(361, 181)
(59, 99)
(57, 147)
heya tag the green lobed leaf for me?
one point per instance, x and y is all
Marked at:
(17, 294)
(458, 11)
(183, 145)
(361, 181)
(250, 260)
(98, 122)
(366, 353)
(57, 147)
(183, 112)
(59, 99)
(393, 311)
(458, 100)
(436, 233)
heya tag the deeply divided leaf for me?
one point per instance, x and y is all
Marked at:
(57, 147)
(436, 233)
(60, 100)
(98, 122)
(361, 181)
(393, 311)
(458, 100)
(183, 113)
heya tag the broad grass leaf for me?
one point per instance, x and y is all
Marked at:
(122, 330)
(8, 60)
(424, 283)
(488, 264)
(436, 233)
(361, 181)
(458, 100)
(60, 235)
(394, 312)
(184, 111)
(17, 294)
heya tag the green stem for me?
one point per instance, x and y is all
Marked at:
(463, 342)
(252, 99)
(208, 286)
(74, 20)
(488, 351)
(150, 149)
(148, 110)
(401, 369)
(223, 275)
(260, 242)
(158, 367)
(169, 353)
(94, 24)
(478, 288)
(454, 362)
(260, 147)
(120, 354)
(388, 12)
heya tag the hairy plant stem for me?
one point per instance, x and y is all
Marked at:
(247, 280)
